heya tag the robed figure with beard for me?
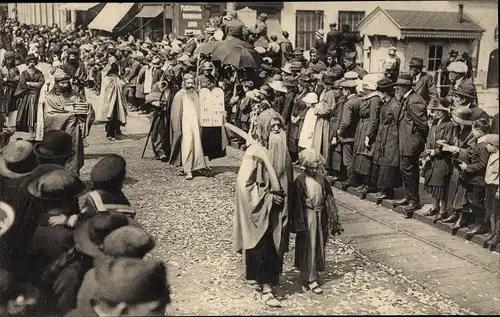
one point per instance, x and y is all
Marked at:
(261, 217)
(78, 73)
(58, 114)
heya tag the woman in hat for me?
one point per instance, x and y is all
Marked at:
(466, 192)
(27, 94)
(385, 172)
(11, 76)
(308, 126)
(280, 91)
(437, 167)
(366, 132)
(298, 112)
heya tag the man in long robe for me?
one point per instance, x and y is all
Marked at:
(185, 136)
(161, 98)
(59, 114)
(10, 75)
(263, 192)
(77, 71)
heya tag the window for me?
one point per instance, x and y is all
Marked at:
(68, 17)
(306, 24)
(435, 57)
(352, 18)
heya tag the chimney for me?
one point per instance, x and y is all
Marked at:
(460, 13)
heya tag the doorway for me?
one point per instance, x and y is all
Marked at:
(492, 81)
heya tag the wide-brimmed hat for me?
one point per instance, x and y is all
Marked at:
(369, 81)
(329, 78)
(7, 216)
(466, 90)
(311, 98)
(278, 86)
(286, 69)
(207, 66)
(457, 67)
(384, 84)
(320, 33)
(351, 75)
(55, 144)
(263, 17)
(462, 115)
(440, 104)
(56, 186)
(18, 159)
(416, 62)
(89, 235)
(404, 80)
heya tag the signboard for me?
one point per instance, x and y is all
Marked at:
(212, 107)
(248, 17)
(191, 17)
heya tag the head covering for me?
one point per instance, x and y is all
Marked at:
(263, 17)
(370, 81)
(320, 33)
(56, 185)
(462, 115)
(311, 98)
(60, 75)
(55, 144)
(128, 241)
(295, 66)
(290, 81)
(348, 84)
(130, 280)
(90, 234)
(18, 159)
(416, 62)
(9, 55)
(493, 139)
(404, 80)
(264, 121)
(457, 67)
(384, 84)
(453, 53)
(440, 104)
(207, 66)
(278, 86)
(266, 90)
(109, 169)
(465, 89)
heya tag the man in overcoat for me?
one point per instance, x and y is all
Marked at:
(413, 129)
(424, 83)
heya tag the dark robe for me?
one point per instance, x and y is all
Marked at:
(12, 75)
(78, 73)
(27, 99)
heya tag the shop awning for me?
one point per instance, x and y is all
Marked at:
(110, 16)
(150, 11)
(78, 6)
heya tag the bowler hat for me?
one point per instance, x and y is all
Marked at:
(18, 159)
(7, 217)
(462, 115)
(466, 90)
(56, 185)
(440, 104)
(55, 144)
(109, 169)
(129, 280)
(416, 62)
(89, 236)
(128, 241)
(404, 80)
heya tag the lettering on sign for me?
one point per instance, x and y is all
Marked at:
(191, 16)
(192, 24)
(196, 32)
(191, 8)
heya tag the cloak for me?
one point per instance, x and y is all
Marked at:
(112, 96)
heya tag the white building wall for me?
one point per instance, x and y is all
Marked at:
(41, 13)
(484, 13)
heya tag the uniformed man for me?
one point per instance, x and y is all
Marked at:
(457, 72)
(207, 80)
(259, 32)
(391, 65)
(424, 83)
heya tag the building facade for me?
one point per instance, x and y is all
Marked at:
(42, 13)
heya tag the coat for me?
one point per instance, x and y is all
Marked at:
(478, 113)
(299, 110)
(350, 119)
(134, 73)
(495, 124)
(260, 34)
(462, 82)
(322, 48)
(425, 87)
(413, 126)
(332, 40)
(476, 159)
(189, 47)
(369, 114)
(438, 168)
(286, 48)
(386, 146)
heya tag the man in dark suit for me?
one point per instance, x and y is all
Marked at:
(424, 83)
(190, 45)
(332, 39)
(464, 96)
(320, 45)
(413, 131)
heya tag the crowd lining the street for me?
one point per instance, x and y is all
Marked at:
(74, 251)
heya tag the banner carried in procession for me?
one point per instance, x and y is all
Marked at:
(192, 18)
(212, 107)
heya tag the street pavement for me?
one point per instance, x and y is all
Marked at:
(381, 264)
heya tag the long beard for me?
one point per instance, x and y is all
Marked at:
(278, 152)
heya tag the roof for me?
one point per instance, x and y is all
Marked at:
(429, 24)
(432, 20)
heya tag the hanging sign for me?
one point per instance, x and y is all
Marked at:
(192, 18)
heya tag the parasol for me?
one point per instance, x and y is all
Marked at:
(237, 53)
(206, 48)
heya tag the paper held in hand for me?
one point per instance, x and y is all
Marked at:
(212, 107)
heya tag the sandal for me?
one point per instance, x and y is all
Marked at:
(316, 289)
(270, 300)
(189, 176)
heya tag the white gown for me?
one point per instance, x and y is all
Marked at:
(192, 154)
(308, 127)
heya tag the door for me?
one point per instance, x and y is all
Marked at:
(492, 81)
(307, 23)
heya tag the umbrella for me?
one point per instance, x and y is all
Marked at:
(237, 53)
(206, 48)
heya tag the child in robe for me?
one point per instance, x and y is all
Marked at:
(313, 216)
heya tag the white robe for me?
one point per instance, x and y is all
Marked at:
(307, 133)
(192, 154)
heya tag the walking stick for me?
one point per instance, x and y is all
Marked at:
(152, 124)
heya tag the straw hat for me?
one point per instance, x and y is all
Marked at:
(457, 67)
(278, 86)
(18, 159)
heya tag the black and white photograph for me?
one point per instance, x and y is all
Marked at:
(249, 158)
